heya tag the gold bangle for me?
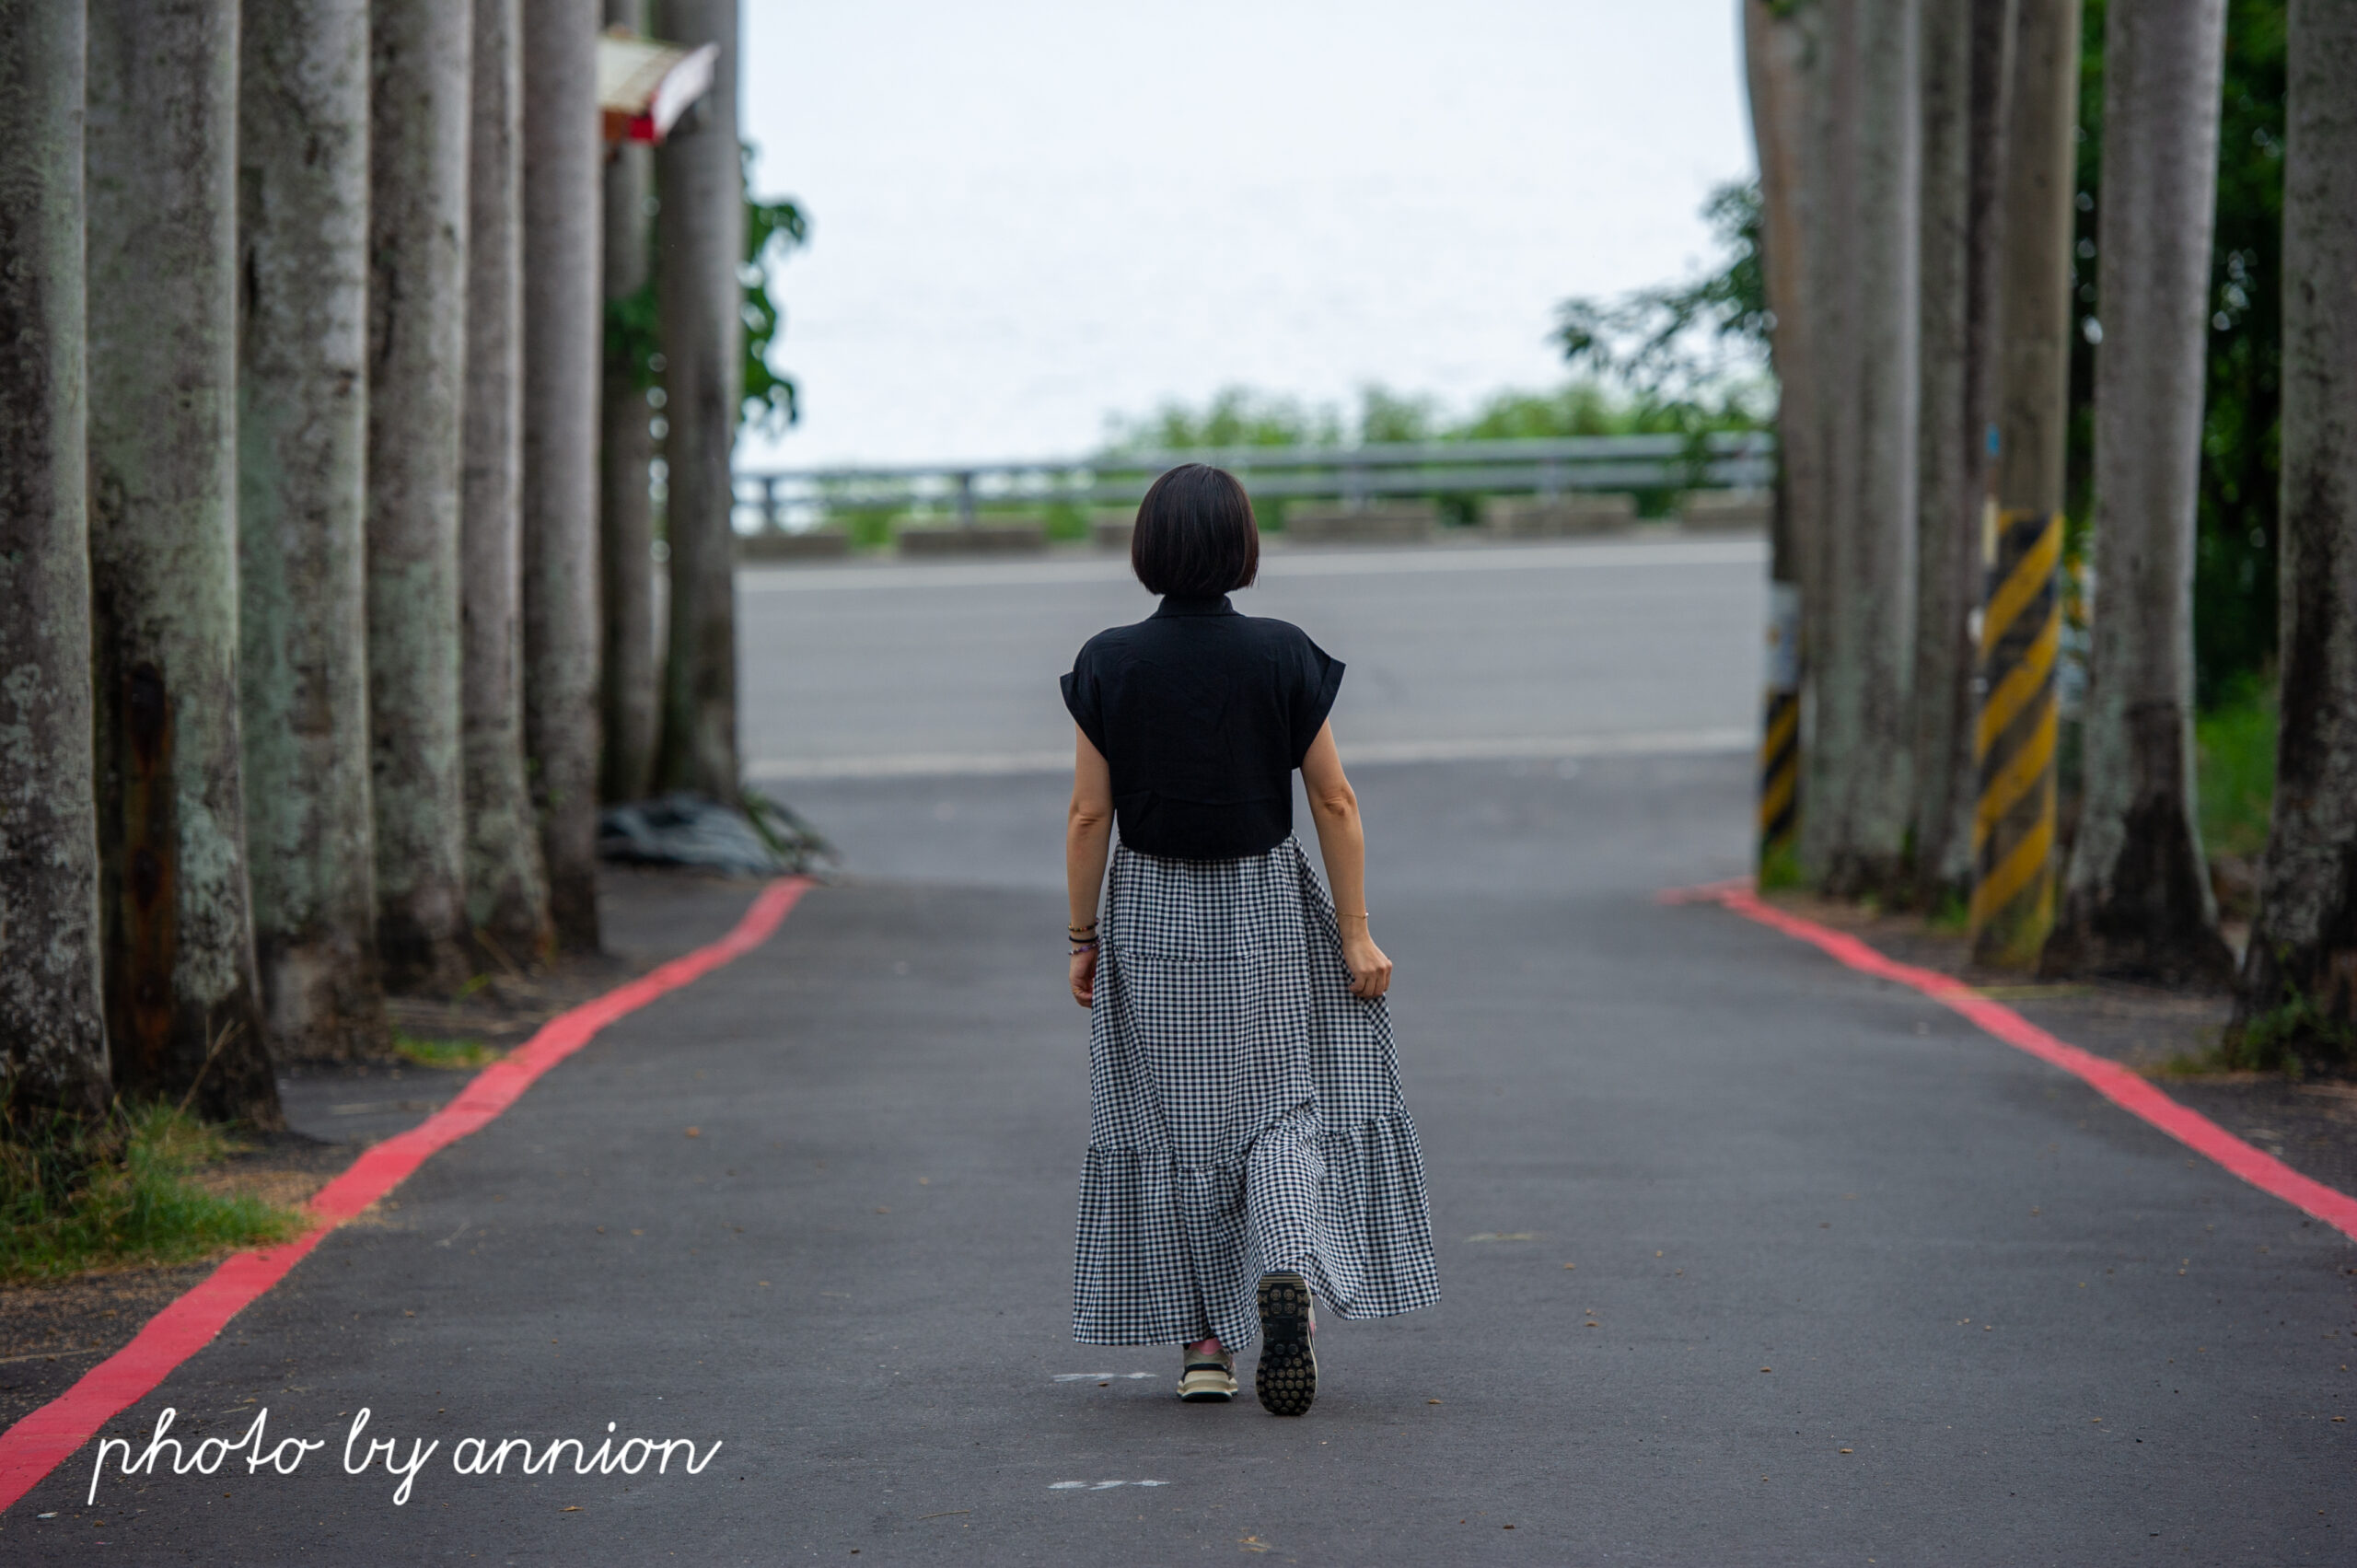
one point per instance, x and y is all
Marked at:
(1360, 915)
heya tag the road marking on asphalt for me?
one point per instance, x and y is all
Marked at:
(39, 1443)
(1099, 1486)
(2117, 1084)
(1097, 1377)
(1275, 565)
(1479, 749)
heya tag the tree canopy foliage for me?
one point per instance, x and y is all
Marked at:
(1240, 416)
(1694, 343)
(773, 231)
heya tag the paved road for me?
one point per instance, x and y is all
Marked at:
(2005, 1323)
(1449, 648)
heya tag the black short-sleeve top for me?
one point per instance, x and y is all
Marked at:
(1203, 713)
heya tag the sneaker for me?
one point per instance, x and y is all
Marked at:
(1208, 1379)
(1287, 1380)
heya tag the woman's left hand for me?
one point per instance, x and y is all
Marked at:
(1370, 968)
(1084, 976)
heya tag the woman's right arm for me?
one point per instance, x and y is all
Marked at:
(1088, 839)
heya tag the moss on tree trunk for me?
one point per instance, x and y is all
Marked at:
(506, 887)
(182, 1002)
(2137, 899)
(417, 291)
(2299, 978)
(302, 442)
(52, 1036)
(561, 338)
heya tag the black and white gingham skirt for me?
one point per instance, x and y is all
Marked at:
(1243, 1110)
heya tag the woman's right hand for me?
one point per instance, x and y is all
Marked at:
(1370, 968)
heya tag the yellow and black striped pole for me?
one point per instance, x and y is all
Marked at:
(1779, 738)
(2013, 826)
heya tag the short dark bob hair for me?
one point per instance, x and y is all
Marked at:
(1196, 537)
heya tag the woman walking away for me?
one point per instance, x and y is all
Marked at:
(1248, 1147)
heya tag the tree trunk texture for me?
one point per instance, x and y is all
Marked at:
(2136, 900)
(631, 701)
(1854, 836)
(508, 895)
(2013, 830)
(183, 1008)
(1965, 43)
(2303, 953)
(1784, 73)
(302, 446)
(1778, 51)
(562, 334)
(53, 1029)
(1994, 26)
(700, 236)
(2034, 275)
(417, 343)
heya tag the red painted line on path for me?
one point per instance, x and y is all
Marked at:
(38, 1444)
(2133, 1094)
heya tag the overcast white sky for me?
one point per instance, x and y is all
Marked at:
(1028, 213)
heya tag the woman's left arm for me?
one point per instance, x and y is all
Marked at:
(1088, 838)
(1341, 840)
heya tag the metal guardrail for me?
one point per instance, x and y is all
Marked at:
(793, 499)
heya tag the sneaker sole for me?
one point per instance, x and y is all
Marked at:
(1213, 1395)
(1287, 1379)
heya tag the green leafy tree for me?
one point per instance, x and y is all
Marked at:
(773, 230)
(1697, 345)
(1234, 416)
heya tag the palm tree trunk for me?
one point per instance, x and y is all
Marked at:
(699, 234)
(53, 1029)
(508, 895)
(2300, 973)
(1943, 653)
(1945, 857)
(2137, 901)
(1965, 44)
(2013, 895)
(302, 442)
(1853, 835)
(417, 331)
(629, 701)
(1778, 50)
(561, 338)
(183, 1009)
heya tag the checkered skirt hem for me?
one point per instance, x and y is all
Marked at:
(1245, 1111)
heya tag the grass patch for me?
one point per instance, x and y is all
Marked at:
(2233, 751)
(2207, 1062)
(2289, 1036)
(445, 1053)
(1780, 868)
(75, 1196)
(869, 528)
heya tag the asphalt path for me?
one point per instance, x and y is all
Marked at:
(873, 669)
(1746, 1258)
